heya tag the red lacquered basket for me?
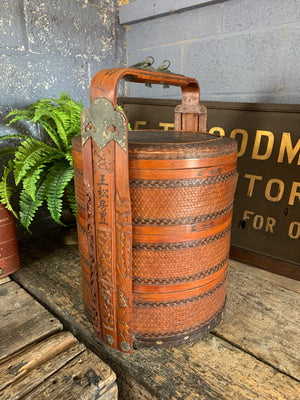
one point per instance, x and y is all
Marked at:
(154, 215)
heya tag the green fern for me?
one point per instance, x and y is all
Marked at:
(57, 180)
(70, 192)
(44, 171)
(28, 206)
(5, 189)
(31, 154)
(7, 151)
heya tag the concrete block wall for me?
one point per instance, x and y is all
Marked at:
(50, 46)
(239, 50)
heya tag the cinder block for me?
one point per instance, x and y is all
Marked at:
(246, 63)
(31, 77)
(251, 14)
(71, 28)
(176, 27)
(291, 80)
(94, 67)
(12, 28)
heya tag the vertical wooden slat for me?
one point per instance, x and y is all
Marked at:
(88, 178)
(123, 236)
(104, 189)
(109, 230)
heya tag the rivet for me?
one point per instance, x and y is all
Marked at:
(89, 127)
(125, 346)
(109, 339)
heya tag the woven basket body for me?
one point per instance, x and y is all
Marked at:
(181, 191)
(154, 213)
(181, 215)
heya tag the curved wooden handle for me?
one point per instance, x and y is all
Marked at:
(105, 83)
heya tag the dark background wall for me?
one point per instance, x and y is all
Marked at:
(239, 50)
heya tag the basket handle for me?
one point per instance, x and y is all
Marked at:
(107, 196)
(189, 115)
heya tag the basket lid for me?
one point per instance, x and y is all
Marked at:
(152, 144)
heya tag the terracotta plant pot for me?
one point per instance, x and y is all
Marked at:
(9, 254)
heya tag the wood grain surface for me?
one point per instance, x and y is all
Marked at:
(23, 320)
(252, 355)
(83, 377)
(40, 362)
(264, 320)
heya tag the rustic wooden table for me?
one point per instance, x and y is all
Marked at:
(38, 360)
(254, 354)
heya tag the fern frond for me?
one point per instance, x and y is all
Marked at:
(46, 171)
(56, 181)
(14, 136)
(68, 157)
(45, 115)
(32, 175)
(62, 122)
(11, 149)
(19, 115)
(5, 189)
(30, 182)
(29, 207)
(7, 151)
(73, 109)
(51, 132)
(32, 153)
(63, 98)
(70, 192)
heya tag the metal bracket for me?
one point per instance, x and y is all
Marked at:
(103, 123)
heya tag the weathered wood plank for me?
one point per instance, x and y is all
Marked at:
(264, 320)
(4, 280)
(279, 280)
(210, 369)
(129, 389)
(26, 370)
(58, 367)
(179, 373)
(23, 320)
(86, 377)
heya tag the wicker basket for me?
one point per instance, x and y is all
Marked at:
(154, 238)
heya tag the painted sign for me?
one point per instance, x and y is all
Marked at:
(266, 218)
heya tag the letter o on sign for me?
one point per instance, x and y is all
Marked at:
(294, 230)
(258, 222)
(280, 189)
